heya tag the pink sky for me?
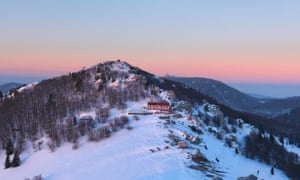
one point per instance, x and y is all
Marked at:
(235, 41)
(265, 68)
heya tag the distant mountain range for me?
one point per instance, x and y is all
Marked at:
(224, 94)
(9, 86)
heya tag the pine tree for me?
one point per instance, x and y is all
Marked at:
(9, 148)
(261, 129)
(1, 94)
(272, 170)
(236, 150)
(272, 139)
(7, 162)
(206, 108)
(74, 121)
(16, 160)
(281, 140)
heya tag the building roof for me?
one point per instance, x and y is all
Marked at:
(159, 103)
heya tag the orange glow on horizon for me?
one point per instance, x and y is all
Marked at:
(225, 67)
(259, 69)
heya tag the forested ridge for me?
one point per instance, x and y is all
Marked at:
(52, 106)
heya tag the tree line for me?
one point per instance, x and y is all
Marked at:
(266, 149)
(52, 107)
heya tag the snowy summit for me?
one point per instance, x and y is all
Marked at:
(115, 121)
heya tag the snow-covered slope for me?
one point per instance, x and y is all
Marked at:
(143, 151)
(104, 131)
(125, 155)
(225, 160)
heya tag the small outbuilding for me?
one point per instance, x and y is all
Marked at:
(181, 144)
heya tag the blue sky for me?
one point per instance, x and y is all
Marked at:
(252, 41)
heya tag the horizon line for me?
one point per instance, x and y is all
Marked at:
(58, 74)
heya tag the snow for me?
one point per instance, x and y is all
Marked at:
(87, 115)
(120, 67)
(28, 86)
(132, 77)
(114, 113)
(292, 148)
(22, 89)
(139, 107)
(121, 81)
(127, 154)
(99, 81)
(114, 84)
(234, 165)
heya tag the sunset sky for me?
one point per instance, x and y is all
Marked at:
(251, 41)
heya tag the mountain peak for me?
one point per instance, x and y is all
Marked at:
(112, 99)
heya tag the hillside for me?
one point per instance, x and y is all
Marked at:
(223, 93)
(145, 151)
(96, 121)
(240, 101)
(292, 121)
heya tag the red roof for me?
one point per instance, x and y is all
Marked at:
(159, 103)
